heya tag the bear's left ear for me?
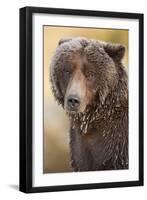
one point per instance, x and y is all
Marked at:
(115, 51)
(63, 40)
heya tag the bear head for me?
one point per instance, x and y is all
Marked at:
(83, 70)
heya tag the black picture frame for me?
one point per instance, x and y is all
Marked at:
(26, 119)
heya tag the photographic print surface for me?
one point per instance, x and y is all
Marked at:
(85, 123)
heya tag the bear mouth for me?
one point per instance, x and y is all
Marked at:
(72, 111)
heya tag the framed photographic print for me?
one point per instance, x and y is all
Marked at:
(81, 99)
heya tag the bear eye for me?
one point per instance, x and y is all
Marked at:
(90, 75)
(66, 75)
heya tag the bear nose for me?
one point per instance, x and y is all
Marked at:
(73, 101)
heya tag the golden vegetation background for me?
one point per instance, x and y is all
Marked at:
(56, 125)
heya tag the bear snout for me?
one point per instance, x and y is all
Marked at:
(73, 103)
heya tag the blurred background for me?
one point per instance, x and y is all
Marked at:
(56, 124)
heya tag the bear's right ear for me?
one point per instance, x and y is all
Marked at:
(115, 51)
(63, 40)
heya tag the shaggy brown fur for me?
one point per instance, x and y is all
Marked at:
(99, 127)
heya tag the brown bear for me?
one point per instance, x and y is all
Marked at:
(90, 82)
